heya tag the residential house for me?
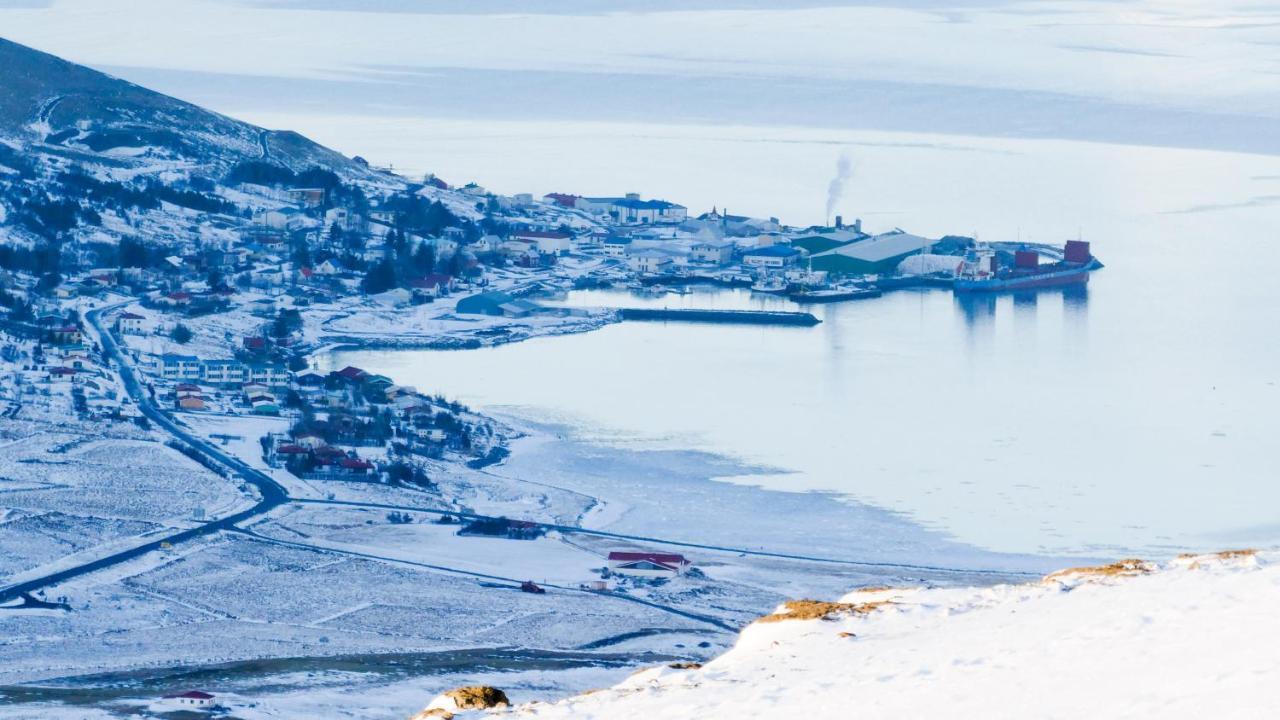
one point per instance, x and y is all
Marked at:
(307, 197)
(282, 218)
(352, 375)
(308, 440)
(561, 199)
(650, 261)
(616, 246)
(61, 374)
(67, 335)
(327, 267)
(264, 405)
(178, 299)
(551, 242)
(433, 285)
(130, 323)
(191, 402)
(355, 466)
(496, 304)
(716, 252)
(648, 564)
(194, 699)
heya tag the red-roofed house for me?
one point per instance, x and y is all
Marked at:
(189, 699)
(434, 285)
(648, 564)
(61, 374)
(130, 323)
(352, 374)
(176, 298)
(561, 199)
(355, 466)
(191, 402)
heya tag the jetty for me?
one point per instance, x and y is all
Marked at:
(736, 317)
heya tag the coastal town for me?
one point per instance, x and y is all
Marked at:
(230, 322)
(220, 345)
(212, 486)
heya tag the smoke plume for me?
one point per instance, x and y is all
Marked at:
(835, 189)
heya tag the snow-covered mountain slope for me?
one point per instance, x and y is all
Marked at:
(55, 107)
(1194, 638)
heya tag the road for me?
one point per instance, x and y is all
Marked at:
(515, 582)
(271, 493)
(573, 529)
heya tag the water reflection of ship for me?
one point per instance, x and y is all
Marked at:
(980, 307)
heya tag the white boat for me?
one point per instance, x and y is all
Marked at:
(772, 285)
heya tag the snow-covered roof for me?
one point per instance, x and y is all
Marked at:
(883, 247)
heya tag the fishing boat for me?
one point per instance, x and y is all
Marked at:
(834, 294)
(770, 284)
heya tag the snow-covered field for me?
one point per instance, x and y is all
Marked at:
(1193, 639)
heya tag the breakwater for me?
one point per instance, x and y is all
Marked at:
(740, 317)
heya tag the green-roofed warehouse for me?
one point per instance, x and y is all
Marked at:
(878, 255)
(827, 241)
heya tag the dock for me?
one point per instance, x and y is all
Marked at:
(736, 317)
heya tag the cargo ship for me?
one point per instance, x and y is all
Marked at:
(981, 273)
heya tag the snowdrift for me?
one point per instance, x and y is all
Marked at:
(1192, 638)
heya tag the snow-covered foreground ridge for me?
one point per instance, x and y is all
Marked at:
(1196, 637)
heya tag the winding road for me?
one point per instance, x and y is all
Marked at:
(272, 494)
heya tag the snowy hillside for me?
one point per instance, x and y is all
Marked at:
(91, 158)
(67, 110)
(1192, 638)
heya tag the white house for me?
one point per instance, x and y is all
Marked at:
(328, 267)
(650, 261)
(716, 252)
(433, 285)
(648, 564)
(283, 218)
(345, 219)
(130, 323)
(190, 700)
(547, 242)
(616, 247)
(307, 197)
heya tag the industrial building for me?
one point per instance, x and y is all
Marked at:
(876, 255)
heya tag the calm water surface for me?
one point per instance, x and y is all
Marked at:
(1136, 416)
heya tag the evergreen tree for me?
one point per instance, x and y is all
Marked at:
(380, 278)
(424, 259)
